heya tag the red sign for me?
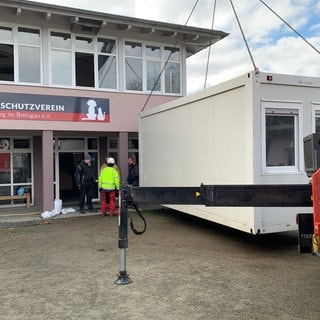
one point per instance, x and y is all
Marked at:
(4, 162)
(53, 108)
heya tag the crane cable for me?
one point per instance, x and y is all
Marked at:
(301, 36)
(167, 60)
(285, 22)
(209, 50)
(244, 38)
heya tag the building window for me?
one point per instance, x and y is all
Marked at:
(21, 167)
(95, 61)
(92, 143)
(316, 117)
(27, 46)
(88, 61)
(84, 62)
(133, 65)
(6, 62)
(84, 69)
(133, 148)
(29, 55)
(6, 54)
(317, 124)
(61, 59)
(107, 63)
(144, 66)
(172, 70)
(15, 167)
(153, 68)
(71, 143)
(281, 140)
(113, 149)
(6, 34)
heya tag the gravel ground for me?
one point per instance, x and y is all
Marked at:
(181, 267)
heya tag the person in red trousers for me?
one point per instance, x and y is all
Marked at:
(109, 183)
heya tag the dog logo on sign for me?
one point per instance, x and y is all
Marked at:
(4, 144)
(94, 112)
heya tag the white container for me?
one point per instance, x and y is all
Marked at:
(57, 206)
(218, 137)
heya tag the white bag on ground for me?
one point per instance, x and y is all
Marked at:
(48, 214)
(57, 206)
(67, 210)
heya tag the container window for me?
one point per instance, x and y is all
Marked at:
(280, 132)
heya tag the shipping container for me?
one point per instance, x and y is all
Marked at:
(248, 130)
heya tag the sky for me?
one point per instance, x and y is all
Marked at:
(273, 45)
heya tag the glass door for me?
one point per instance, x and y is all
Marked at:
(69, 153)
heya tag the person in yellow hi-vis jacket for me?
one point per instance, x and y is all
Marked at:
(109, 182)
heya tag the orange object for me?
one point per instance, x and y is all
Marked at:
(316, 201)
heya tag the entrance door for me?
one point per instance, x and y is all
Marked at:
(68, 162)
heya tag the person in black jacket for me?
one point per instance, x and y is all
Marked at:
(85, 180)
(133, 169)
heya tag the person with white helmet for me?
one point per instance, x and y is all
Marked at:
(105, 164)
(109, 182)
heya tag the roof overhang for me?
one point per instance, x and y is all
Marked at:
(92, 23)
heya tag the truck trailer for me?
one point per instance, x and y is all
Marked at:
(246, 131)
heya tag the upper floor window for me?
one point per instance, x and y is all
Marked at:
(84, 62)
(28, 57)
(172, 70)
(6, 54)
(87, 61)
(92, 61)
(153, 65)
(107, 66)
(144, 64)
(61, 58)
(281, 132)
(133, 65)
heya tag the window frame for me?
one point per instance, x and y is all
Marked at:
(74, 49)
(16, 52)
(169, 59)
(315, 107)
(110, 55)
(21, 45)
(12, 185)
(9, 42)
(56, 49)
(163, 65)
(132, 151)
(117, 82)
(113, 151)
(287, 108)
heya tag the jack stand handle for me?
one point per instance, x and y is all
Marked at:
(123, 277)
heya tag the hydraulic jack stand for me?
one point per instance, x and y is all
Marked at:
(126, 202)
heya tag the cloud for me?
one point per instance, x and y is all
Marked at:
(273, 45)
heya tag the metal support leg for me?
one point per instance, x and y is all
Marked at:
(123, 277)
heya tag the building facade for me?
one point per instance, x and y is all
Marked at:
(74, 82)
